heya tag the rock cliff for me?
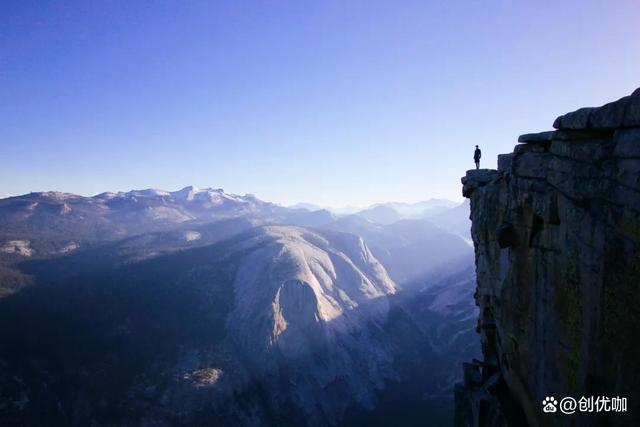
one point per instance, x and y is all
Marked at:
(556, 231)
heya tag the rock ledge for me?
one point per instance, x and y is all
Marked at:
(556, 231)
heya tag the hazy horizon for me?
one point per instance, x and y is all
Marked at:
(328, 103)
(339, 208)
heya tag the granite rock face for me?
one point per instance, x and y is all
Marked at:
(556, 232)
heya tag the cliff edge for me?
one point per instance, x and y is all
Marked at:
(556, 231)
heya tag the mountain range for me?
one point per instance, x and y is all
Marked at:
(200, 307)
(423, 209)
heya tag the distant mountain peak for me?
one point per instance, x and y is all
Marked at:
(381, 214)
(54, 195)
(148, 192)
(190, 192)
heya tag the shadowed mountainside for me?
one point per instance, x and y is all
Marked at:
(278, 325)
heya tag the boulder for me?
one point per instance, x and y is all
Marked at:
(504, 162)
(527, 148)
(583, 135)
(609, 116)
(531, 165)
(584, 151)
(477, 178)
(540, 137)
(578, 119)
(625, 112)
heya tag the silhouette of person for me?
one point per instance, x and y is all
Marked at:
(476, 157)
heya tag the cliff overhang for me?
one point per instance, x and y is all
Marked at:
(556, 231)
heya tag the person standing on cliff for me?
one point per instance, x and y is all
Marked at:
(476, 157)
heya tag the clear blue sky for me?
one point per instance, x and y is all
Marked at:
(333, 102)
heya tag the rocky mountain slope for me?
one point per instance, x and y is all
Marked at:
(276, 302)
(53, 222)
(43, 225)
(223, 314)
(556, 231)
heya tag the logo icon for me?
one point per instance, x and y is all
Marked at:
(549, 404)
